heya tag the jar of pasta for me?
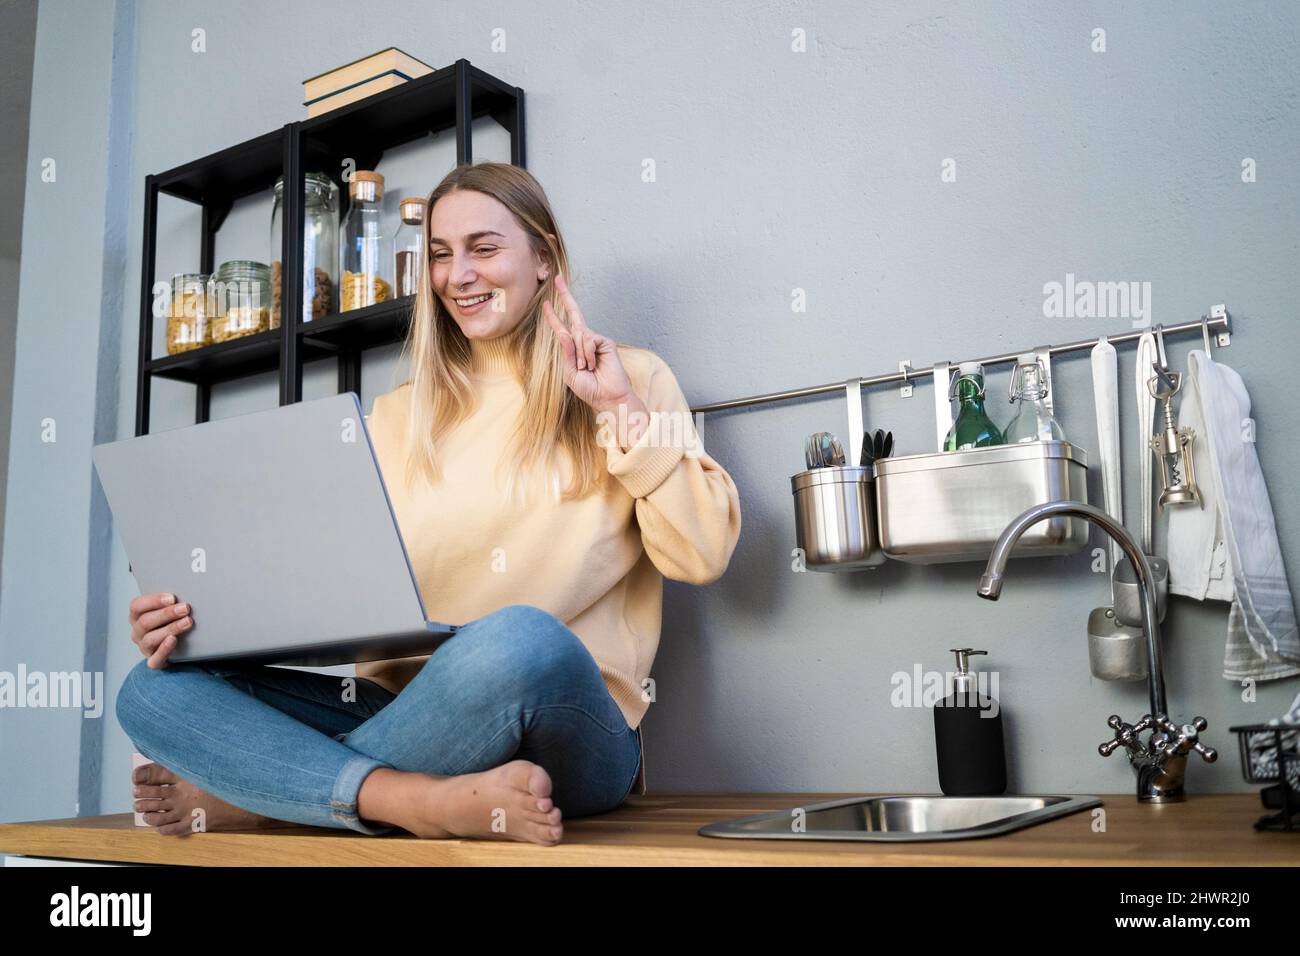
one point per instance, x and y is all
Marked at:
(320, 246)
(365, 252)
(187, 319)
(240, 299)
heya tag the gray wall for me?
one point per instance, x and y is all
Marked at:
(776, 170)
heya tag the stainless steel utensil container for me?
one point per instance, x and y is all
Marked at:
(835, 518)
(1128, 596)
(951, 506)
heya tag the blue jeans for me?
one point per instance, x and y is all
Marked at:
(296, 745)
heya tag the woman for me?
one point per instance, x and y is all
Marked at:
(545, 479)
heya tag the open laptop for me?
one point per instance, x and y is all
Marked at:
(276, 527)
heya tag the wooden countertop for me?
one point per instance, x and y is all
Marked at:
(661, 830)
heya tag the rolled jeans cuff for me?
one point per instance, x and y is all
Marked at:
(343, 801)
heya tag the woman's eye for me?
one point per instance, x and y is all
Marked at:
(486, 250)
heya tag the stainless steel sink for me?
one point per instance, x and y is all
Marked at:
(903, 818)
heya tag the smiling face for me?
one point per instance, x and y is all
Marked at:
(477, 249)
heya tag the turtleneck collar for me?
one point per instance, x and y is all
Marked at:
(492, 359)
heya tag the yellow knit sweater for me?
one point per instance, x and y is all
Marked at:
(598, 563)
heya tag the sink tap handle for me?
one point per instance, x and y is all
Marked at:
(1184, 739)
(1126, 735)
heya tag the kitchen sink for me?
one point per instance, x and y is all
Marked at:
(903, 818)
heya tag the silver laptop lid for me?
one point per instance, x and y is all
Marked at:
(275, 526)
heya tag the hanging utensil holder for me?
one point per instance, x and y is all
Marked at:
(835, 507)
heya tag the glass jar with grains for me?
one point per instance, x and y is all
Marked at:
(240, 299)
(187, 319)
(320, 247)
(365, 255)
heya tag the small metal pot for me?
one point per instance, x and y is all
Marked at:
(1115, 652)
(835, 518)
(1128, 596)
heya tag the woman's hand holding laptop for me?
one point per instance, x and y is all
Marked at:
(156, 621)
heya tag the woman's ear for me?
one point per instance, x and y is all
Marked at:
(544, 267)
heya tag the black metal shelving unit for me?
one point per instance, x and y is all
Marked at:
(453, 96)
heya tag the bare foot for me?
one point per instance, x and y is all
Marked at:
(509, 802)
(168, 803)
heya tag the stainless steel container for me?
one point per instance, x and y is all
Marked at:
(835, 518)
(951, 506)
(1128, 600)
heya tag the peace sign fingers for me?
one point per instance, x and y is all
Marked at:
(563, 334)
(582, 334)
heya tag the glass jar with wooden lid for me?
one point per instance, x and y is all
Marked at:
(408, 244)
(365, 253)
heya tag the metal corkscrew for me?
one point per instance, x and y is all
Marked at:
(1173, 446)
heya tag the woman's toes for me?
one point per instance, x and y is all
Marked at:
(543, 819)
(544, 827)
(539, 781)
(152, 773)
(158, 818)
(178, 828)
(538, 832)
(143, 792)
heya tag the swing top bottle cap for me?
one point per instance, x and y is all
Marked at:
(970, 368)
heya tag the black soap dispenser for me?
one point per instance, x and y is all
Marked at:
(968, 736)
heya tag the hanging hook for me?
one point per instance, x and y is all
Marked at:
(905, 367)
(1161, 365)
(1205, 333)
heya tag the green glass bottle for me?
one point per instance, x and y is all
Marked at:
(973, 427)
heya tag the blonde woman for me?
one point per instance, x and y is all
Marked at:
(545, 480)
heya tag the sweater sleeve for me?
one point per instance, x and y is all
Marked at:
(687, 506)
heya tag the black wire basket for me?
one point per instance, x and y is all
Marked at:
(1271, 754)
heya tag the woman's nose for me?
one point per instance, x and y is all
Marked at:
(462, 275)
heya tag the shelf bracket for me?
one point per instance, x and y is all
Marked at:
(216, 214)
(1225, 337)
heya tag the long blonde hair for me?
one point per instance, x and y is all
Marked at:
(555, 426)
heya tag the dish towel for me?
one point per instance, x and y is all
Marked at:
(1235, 537)
(1198, 548)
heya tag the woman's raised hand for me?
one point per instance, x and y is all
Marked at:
(156, 622)
(592, 368)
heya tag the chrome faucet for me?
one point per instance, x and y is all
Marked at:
(1160, 763)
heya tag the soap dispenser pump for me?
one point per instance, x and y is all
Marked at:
(968, 736)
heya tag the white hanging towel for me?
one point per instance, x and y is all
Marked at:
(1234, 540)
(1198, 549)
